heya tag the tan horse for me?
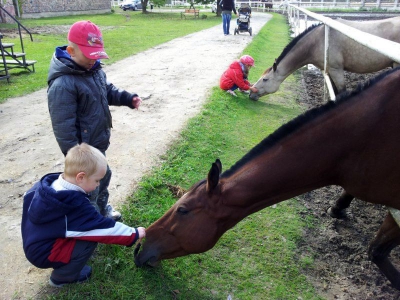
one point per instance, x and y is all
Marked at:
(344, 54)
(353, 143)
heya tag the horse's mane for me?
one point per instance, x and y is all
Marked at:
(296, 123)
(294, 42)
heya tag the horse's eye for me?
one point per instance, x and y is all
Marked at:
(182, 211)
(265, 79)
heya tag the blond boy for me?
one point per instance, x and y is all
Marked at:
(61, 228)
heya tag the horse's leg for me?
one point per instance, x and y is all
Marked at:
(387, 238)
(338, 81)
(337, 211)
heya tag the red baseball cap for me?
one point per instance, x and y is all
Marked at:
(247, 60)
(89, 39)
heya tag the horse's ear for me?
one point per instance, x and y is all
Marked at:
(213, 176)
(274, 66)
(219, 165)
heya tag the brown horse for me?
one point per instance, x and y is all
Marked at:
(353, 143)
(344, 54)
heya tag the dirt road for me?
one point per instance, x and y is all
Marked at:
(175, 78)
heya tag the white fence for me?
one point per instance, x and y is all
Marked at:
(367, 4)
(383, 46)
(115, 3)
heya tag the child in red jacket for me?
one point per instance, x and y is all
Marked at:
(236, 76)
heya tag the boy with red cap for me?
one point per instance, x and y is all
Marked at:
(236, 76)
(79, 96)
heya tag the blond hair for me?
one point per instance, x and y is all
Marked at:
(83, 158)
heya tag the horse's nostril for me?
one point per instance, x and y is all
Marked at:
(141, 262)
(152, 262)
(253, 96)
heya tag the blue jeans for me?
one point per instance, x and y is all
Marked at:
(99, 197)
(83, 250)
(226, 22)
(235, 87)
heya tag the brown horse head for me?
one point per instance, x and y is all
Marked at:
(201, 203)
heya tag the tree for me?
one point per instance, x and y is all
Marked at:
(154, 2)
(2, 17)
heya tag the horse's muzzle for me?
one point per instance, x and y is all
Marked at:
(254, 96)
(142, 260)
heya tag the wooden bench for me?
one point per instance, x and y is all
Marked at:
(12, 64)
(191, 12)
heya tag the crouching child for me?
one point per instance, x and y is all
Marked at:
(236, 76)
(61, 228)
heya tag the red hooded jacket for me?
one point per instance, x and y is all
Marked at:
(234, 75)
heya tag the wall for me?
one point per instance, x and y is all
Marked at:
(9, 7)
(51, 8)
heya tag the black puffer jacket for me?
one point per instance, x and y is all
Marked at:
(78, 102)
(227, 6)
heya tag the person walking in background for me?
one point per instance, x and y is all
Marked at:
(61, 228)
(227, 6)
(79, 96)
(236, 76)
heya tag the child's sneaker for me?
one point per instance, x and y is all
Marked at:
(84, 275)
(231, 92)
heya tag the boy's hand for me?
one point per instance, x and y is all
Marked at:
(142, 233)
(136, 101)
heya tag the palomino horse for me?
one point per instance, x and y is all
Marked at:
(344, 54)
(353, 143)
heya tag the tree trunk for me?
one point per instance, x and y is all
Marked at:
(2, 15)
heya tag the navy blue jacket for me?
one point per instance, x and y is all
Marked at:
(53, 221)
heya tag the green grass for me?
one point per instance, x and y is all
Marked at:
(124, 34)
(256, 259)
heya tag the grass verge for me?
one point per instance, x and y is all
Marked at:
(253, 260)
(124, 34)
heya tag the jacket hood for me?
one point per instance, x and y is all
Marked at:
(236, 65)
(47, 204)
(62, 64)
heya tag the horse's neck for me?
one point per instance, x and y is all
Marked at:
(306, 51)
(305, 160)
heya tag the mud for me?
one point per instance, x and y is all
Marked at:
(342, 269)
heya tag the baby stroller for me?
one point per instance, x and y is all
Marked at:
(243, 21)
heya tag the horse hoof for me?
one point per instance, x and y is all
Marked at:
(337, 215)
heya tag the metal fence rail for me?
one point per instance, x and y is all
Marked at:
(368, 4)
